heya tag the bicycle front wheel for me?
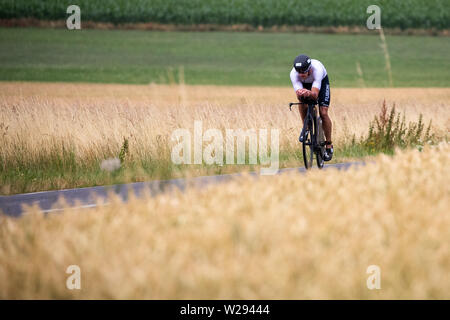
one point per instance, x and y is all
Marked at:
(320, 144)
(308, 148)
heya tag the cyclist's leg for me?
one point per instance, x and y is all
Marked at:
(326, 123)
(327, 126)
(302, 109)
(324, 104)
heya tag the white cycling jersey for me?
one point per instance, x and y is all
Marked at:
(318, 73)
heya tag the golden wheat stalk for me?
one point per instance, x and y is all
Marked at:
(359, 71)
(387, 58)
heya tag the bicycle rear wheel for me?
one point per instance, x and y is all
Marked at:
(307, 145)
(321, 144)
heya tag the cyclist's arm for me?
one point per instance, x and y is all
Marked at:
(314, 93)
(315, 88)
(297, 84)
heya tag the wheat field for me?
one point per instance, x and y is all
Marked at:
(249, 239)
(56, 135)
(252, 239)
(95, 118)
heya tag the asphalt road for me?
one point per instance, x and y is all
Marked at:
(93, 196)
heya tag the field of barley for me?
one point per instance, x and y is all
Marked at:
(249, 239)
(55, 136)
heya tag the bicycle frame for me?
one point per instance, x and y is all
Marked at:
(317, 143)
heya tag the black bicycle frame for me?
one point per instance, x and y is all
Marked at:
(312, 118)
(311, 113)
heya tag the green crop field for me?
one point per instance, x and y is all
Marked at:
(217, 58)
(395, 13)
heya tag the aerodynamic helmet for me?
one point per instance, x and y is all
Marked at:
(302, 63)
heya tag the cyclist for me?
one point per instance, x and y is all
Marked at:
(310, 80)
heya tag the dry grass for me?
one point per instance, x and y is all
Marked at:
(55, 136)
(96, 118)
(252, 239)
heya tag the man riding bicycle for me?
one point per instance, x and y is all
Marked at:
(310, 80)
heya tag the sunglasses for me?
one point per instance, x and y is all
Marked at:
(303, 72)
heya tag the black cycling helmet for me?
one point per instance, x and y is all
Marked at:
(302, 63)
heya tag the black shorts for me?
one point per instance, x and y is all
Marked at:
(324, 93)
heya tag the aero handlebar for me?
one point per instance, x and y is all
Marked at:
(298, 103)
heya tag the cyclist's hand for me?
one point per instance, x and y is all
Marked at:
(301, 93)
